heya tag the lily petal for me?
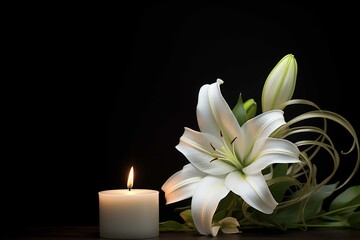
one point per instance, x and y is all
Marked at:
(204, 112)
(259, 127)
(204, 202)
(252, 189)
(181, 184)
(197, 148)
(215, 115)
(273, 151)
(264, 124)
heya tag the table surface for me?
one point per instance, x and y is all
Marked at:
(92, 232)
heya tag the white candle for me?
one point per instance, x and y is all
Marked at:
(129, 213)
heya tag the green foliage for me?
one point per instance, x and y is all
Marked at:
(344, 201)
(344, 211)
(244, 111)
(174, 226)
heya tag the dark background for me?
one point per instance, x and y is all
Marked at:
(91, 90)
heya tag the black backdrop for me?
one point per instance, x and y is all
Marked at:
(91, 90)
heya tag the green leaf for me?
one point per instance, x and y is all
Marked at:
(328, 222)
(295, 213)
(226, 206)
(278, 189)
(180, 209)
(314, 205)
(349, 197)
(187, 217)
(280, 170)
(174, 226)
(354, 220)
(239, 111)
(283, 217)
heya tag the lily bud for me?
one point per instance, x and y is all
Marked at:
(244, 111)
(250, 107)
(280, 84)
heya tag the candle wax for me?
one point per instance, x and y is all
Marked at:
(129, 214)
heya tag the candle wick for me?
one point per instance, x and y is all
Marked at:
(129, 189)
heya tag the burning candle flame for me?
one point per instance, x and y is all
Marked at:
(130, 181)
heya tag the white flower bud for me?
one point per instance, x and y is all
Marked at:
(280, 84)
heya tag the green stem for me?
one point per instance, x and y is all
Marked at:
(337, 210)
(231, 206)
(319, 225)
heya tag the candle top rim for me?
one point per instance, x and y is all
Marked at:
(123, 192)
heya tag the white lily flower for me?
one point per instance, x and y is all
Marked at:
(280, 84)
(224, 157)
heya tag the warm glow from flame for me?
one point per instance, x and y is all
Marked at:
(130, 181)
